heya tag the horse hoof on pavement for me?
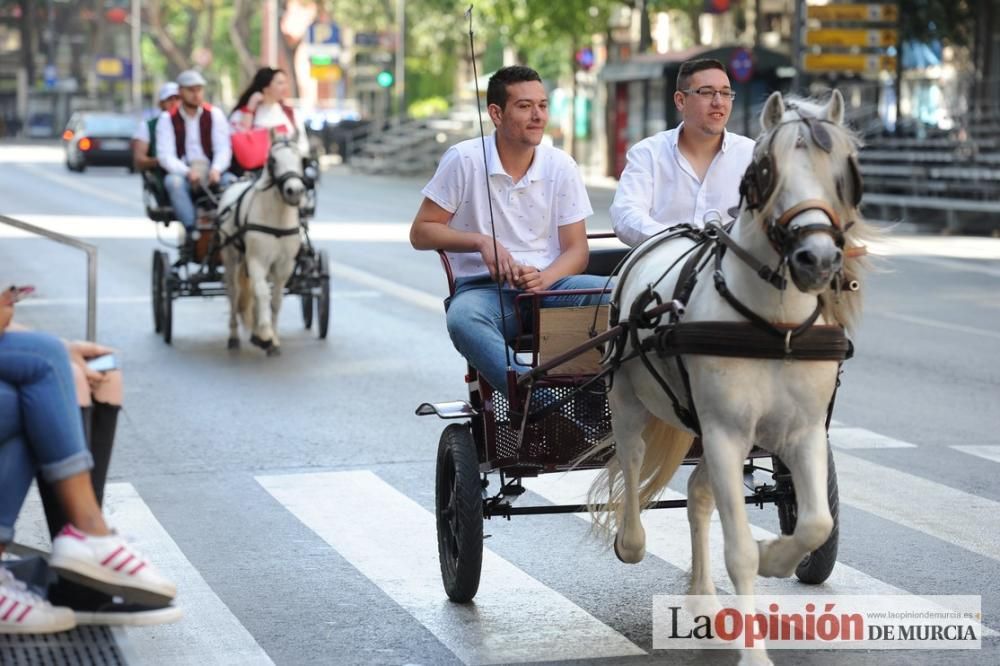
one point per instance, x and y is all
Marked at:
(263, 344)
(274, 351)
(233, 343)
(635, 559)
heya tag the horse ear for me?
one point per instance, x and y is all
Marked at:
(774, 109)
(835, 108)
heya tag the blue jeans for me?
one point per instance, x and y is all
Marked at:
(179, 190)
(481, 335)
(40, 426)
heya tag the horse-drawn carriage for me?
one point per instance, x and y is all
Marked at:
(200, 266)
(734, 333)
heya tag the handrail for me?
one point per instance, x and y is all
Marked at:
(90, 250)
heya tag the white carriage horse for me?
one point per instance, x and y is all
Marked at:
(799, 215)
(260, 235)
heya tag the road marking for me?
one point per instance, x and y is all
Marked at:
(860, 438)
(391, 539)
(933, 323)
(144, 300)
(209, 633)
(956, 265)
(421, 299)
(80, 185)
(669, 538)
(989, 452)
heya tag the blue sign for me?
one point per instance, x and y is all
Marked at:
(741, 65)
(324, 33)
(585, 58)
(50, 75)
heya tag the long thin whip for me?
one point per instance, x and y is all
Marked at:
(489, 194)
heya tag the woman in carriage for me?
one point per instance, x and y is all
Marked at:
(261, 107)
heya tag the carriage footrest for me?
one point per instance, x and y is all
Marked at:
(457, 409)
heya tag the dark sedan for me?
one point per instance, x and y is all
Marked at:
(99, 139)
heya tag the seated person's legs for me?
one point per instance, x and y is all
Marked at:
(579, 282)
(16, 466)
(179, 190)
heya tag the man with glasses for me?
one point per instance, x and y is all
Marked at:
(675, 176)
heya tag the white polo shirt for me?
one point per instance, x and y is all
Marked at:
(659, 188)
(526, 214)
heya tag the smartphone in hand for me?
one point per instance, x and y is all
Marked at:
(15, 294)
(103, 363)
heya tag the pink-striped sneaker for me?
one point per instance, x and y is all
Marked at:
(24, 612)
(111, 565)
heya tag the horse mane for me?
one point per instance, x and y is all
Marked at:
(843, 309)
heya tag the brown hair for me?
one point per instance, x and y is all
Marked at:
(691, 67)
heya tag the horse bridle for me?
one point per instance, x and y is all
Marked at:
(281, 180)
(761, 177)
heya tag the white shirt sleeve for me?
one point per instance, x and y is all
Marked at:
(236, 121)
(633, 200)
(222, 150)
(166, 147)
(572, 200)
(142, 132)
(300, 130)
(447, 187)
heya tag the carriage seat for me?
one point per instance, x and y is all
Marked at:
(155, 198)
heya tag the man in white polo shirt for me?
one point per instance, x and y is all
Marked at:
(539, 206)
(193, 132)
(674, 177)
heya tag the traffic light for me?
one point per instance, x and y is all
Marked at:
(385, 78)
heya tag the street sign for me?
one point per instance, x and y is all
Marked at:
(323, 33)
(325, 72)
(110, 67)
(849, 62)
(847, 37)
(858, 12)
(741, 65)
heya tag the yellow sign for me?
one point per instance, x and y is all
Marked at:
(331, 72)
(881, 13)
(869, 38)
(109, 67)
(848, 62)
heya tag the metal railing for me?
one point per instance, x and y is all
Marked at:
(91, 252)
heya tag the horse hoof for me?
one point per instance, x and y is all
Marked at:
(635, 559)
(274, 351)
(263, 344)
(233, 343)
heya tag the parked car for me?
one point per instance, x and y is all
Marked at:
(99, 139)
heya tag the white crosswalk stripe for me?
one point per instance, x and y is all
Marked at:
(986, 451)
(860, 438)
(391, 540)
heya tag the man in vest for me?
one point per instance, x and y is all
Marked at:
(192, 134)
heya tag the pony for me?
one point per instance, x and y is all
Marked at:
(799, 214)
(260, 237)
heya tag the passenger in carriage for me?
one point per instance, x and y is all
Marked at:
(675, 176)
(193, 132)
(262, 105)
(144, 144)
(539, 206)
(41, 431)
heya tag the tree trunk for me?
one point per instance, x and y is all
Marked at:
(28, 32)
(177, 59)
(239, 33)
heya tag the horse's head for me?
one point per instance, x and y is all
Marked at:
(804, 186)
(284, 167)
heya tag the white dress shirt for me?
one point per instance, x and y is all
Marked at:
(659, 188)
(527, 214)
(272, 115)
(166, 143)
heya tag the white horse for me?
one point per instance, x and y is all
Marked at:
(259, 229)
(800, 217)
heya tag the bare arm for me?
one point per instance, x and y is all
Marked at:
(140, 156)
(571, 261)
(430, 231)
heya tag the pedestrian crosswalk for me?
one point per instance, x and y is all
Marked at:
(387, 534)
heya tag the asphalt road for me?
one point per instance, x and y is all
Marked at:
(292, 497)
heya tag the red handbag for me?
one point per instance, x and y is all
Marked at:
(250, 148)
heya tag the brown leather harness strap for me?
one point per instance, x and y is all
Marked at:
(744, 340)
(809, 204)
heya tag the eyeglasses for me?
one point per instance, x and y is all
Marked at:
(707, 93)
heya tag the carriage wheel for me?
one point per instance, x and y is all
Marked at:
(817, 566)
(458, 503)
(155, 289)
(166, 299)
(307, 310)
(323, 298)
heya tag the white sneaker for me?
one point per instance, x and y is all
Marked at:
(24, 612)
(111, 565)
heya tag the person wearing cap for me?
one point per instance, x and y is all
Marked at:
(193, 132)
(144, 139)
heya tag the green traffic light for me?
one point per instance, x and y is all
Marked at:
(321, 60)
(385, 78)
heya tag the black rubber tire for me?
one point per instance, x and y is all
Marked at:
(323, 298)
(817, 566)
(458, 502)
(307, 310)
(167, 299)
(157, 276)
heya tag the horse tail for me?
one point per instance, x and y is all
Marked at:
(666, 448)
(244, 299)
